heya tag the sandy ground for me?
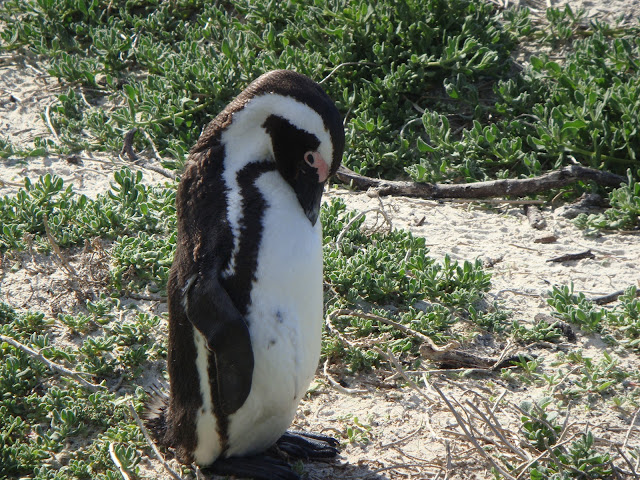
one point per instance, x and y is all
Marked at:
(401, 432)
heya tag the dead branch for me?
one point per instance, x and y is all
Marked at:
(151, 443)
(512, 187)
(627, 461)
(393, 360)
(612, 297)
(53, 366)
(569, 257)
(335, 384)
(470, 437)
(54, 245)
(633, 422)
(127, 145)
(402, 328)
(116, 461)
(536, 220)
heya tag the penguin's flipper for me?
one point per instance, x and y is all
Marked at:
(261, 467)
(210, 309)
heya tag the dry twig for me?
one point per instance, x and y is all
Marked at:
(470, 437)
(127, 145)
(497, 430)
(344, 65)
(394, 361)
(627, 461)
(633, 422)
(612, 297)
(151, 443)
(54, 245)
(53, 366)
(358, 217)
(405, 438)
(518, 187)
(399, 326)
(573, 256)
(117, 462)
(47, 117)
(335, 384)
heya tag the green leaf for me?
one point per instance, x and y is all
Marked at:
(574, 125)
(536, 63)
(226, 49)
(424, 147)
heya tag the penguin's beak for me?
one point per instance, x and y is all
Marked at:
(309, 184)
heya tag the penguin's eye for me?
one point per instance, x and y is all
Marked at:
(308, 158)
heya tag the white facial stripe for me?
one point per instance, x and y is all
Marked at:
(258, 109)
(247, 141)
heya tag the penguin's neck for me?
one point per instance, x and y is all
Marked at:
(246, 146)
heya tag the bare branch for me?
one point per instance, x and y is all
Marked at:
(53, 366)
(512, 187)
(153, 446)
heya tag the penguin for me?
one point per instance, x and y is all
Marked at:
(245, 290)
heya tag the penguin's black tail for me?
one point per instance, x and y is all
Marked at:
(154, 413)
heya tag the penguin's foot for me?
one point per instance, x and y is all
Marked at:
(307, 445)
(259, 467)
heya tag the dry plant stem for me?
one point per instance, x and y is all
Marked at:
(539, 419)
(558, 462)
(503, 355)
(47, 116)
(53, 366)
(11, 184)
(544, 454)
(153, 145)
(627, 461)
(536, 220)
(153, 446)
(118, 463)
(344, 65)
(393, 360)
(470, 437)
(127, 146)
(160, 170)
(355, 219)
(392, 467)
(521, 453)
(565, 425)
(156, 154)
(612, 297)
(491, 189)
(407, 437)
(571, 372)
(335, 384)
(384, 214)
(497, 402)
(633, 422)
(336, 332)
(569, 257)
(67, 266)
(402, 328)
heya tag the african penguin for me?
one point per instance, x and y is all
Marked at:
(245, 291)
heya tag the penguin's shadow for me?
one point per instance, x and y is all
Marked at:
(339, 469)
(320, 470)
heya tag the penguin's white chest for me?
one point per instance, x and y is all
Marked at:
(285, 319)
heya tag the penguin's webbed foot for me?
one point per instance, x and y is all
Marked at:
(308, 445)
(259, 467)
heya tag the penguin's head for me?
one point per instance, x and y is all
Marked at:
(294, 121)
